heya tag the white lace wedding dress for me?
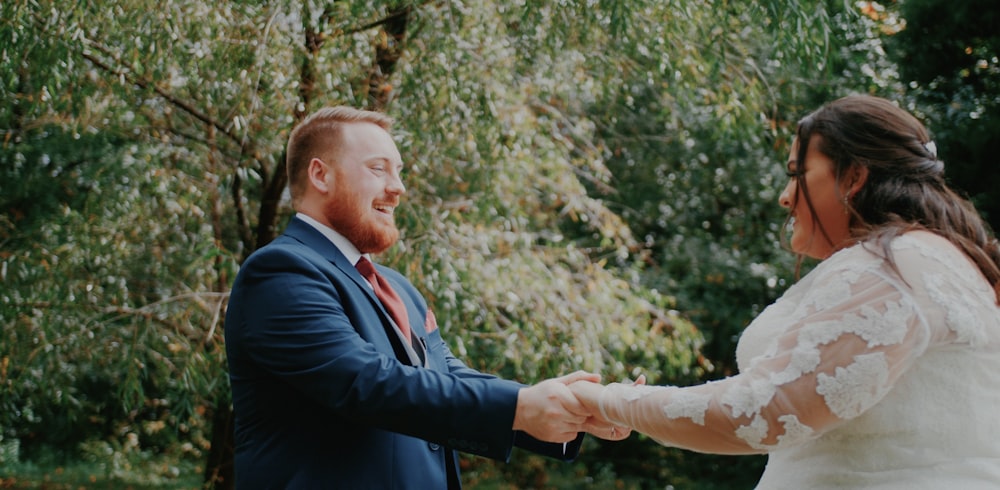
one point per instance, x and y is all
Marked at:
(855, 378)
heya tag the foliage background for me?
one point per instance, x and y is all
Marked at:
(592, 185)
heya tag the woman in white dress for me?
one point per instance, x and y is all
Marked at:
(881, 367)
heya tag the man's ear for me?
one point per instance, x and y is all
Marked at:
(318, 171)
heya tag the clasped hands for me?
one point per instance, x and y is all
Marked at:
(557, 409)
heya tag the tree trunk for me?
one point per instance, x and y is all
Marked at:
(219, 468)
(387, 54)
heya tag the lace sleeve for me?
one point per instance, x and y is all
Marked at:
(853, 332)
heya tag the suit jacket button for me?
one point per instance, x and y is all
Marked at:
(434, 447)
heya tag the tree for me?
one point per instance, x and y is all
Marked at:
(584, 178)
(172, 118)
(696, 126)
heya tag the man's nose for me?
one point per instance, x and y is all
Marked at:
(395, 184)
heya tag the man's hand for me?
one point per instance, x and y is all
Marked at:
(549, 411)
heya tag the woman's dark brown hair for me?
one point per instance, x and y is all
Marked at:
(905, 188)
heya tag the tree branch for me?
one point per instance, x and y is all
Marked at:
(126, 73)
(393, 16)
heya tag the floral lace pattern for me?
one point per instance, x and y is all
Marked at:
(856, 387)
(842, 351)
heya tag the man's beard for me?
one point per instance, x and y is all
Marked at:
(367, 235)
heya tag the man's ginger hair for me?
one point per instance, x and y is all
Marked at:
(319, 136)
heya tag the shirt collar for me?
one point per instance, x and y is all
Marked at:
(342, 243)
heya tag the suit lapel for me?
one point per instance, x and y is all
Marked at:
(311, 237)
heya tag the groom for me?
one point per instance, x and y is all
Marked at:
(340, 376)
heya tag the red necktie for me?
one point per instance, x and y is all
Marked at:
(390, 300)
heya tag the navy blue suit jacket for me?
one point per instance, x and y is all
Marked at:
(321, 399)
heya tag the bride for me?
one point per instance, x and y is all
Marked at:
(881, 367)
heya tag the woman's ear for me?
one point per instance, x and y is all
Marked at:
(857, 175)
(318, 171)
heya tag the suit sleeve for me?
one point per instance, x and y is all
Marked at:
(565, 452)
(521, 439)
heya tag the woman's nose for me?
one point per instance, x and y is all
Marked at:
(785, 199)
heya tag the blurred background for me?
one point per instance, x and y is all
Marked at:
(592, 184)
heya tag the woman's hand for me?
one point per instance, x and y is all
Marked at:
(589, 394)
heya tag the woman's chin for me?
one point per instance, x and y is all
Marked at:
(804, 246)
(798, 244)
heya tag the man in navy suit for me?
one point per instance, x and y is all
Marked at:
(333, 388)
